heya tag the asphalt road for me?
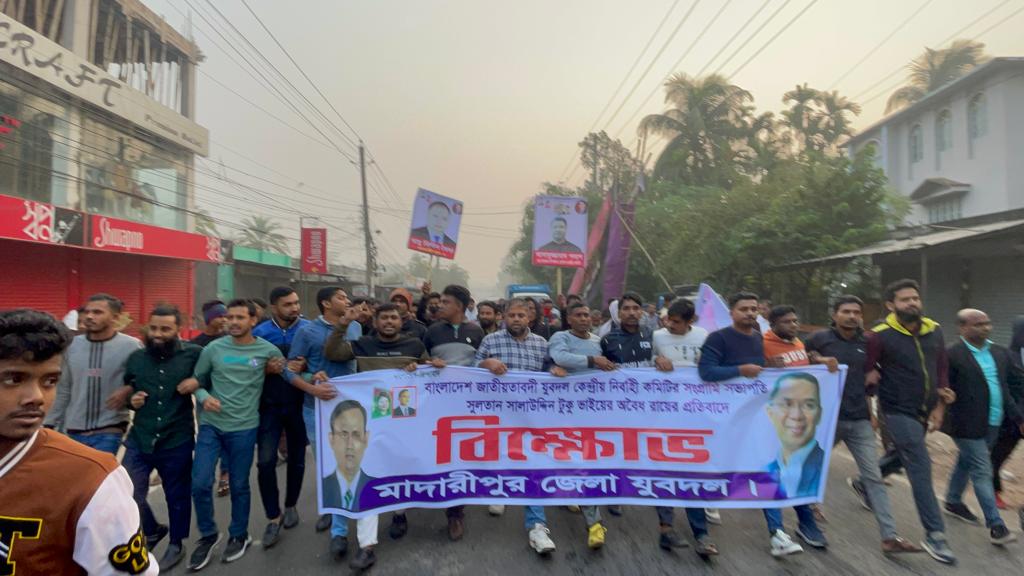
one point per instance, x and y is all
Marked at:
(499, 546)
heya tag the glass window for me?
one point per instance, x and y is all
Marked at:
(945, 210)
(35, 159)
(943, 131)
(977, 121)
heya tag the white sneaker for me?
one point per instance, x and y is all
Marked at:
(573, 508)
(496, 509)
(540, 539)
(783, 545)
(713, 516)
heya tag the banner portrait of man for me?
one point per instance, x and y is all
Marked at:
(348, 438)
(559, 231)
(435, 224)
(794, 408)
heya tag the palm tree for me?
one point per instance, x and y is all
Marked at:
(833, 121)
(704, 119)
(205, 224)
(261, 233)
(936, 68)
(801, 117)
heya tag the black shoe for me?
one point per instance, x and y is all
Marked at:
(174, 554)
(615, 510)
(669, 540)
(960, 511)
(399, 526)
(339, 547)
(363, 560)
(153, 539)
(203, 552)
(237, 545)
(1000, 535)
(323, 522)
(291, 518)
(272, 535)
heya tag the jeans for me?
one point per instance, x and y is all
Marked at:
(804, 515)
(1009, 435)
(859, 437)
(174, 465)
(273, 421)
(592, 514)
(908, 434)
(237, 449)
(974, 463)
(696, 517)
(535, 515)
(108, 442)
(339, 524)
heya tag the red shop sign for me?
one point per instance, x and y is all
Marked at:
(314, 250)
(115, 235)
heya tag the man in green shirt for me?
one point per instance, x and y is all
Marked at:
(231, 372)
(163, 429)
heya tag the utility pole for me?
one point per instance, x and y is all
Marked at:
(368, 237)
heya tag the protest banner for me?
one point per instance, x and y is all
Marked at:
(559, 231)
(435, 224)
(439, 438)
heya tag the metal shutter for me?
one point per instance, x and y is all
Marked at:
(118, 275)
(36, 277)
(997, 287)
(165, 280)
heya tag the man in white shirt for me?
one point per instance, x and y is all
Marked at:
(680, 341)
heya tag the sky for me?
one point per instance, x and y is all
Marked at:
(484, 101)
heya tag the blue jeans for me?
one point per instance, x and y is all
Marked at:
(860, 440)
(908, 436)
(106, 442)
(804, 515)
(696, 517)
(974, 463)
(174, 465)
(238, 450)
(339, 524)
(535, 515)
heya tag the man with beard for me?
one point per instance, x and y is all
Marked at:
(280, 413)
(162, 430)
(92, 399)
(402, 299)
(488, 316)
(908, 368)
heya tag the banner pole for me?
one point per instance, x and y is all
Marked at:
(558, 281)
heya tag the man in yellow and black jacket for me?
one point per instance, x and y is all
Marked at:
(907, 368)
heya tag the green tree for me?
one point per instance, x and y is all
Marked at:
(801, 117)
(936, 68)
(205, 224)
(835, 123)
(262, 233)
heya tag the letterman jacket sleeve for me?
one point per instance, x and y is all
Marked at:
(108, 539)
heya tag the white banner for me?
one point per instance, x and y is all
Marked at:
(440, 438)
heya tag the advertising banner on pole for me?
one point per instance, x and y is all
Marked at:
(439, 438)
(559, 231)
(314, 250)
(435, 224)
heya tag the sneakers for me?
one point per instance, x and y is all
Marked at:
(783, 545)
(338, 547)
(936, 547)
(595, 536)
(291, 518)
(153, 539)
(669, 540)
(713, 516)
(899, 545)
(174, 554)
(813, 536)
(961, 511)
(399, 526)
(237, 545)
(705, 547)
(323, 522)
(1000, 535)
(857, 486)
(496, 509)
(203, 552)
(456, 528)
(272, 535)
(363, 560)
(540, 539)
(573, 508)
(615, 510)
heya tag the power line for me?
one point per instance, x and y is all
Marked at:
(773, 38)
(733, 38)
(750, 38)
(876, 47)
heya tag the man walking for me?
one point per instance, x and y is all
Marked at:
(163, 429)
(92, 399)
(907, 365)
(280, 413)
(979, 373)
(308, 348)
(844, 343)
(402, 298)
(735, 351)
(213, 318)
(516, 348)
(231, 371)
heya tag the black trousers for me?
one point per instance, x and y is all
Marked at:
(1007, 440)
(273, 421)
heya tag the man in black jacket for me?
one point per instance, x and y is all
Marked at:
(979, 372)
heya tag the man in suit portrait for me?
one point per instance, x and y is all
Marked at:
(559, 243)
(795, 411)
(437, 223)
(404, 410)
(348, 439)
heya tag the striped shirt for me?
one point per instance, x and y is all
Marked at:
(529, 355)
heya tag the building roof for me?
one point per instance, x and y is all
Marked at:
(935, 187)
(974, 75)
(914, 243)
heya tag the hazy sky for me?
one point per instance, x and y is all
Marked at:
(484, 100)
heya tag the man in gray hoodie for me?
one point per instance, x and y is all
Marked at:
(92, 399)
